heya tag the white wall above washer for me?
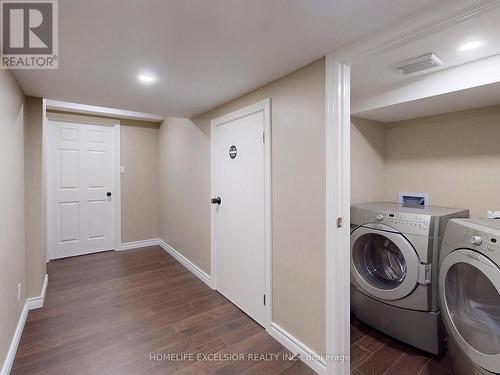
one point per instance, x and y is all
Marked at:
(204, 52)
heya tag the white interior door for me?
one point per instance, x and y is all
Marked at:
(80, 207)
(239, 220)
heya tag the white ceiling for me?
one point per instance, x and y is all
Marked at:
(375, 73)
(374, 78)
(205, 52)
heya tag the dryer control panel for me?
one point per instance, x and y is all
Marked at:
(401, 222)
(429, 221)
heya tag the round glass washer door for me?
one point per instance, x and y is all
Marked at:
(383, 263)
(469, 287)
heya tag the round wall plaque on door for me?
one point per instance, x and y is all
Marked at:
(232, 151)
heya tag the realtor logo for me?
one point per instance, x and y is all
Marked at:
(29, 34)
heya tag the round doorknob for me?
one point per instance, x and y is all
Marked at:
(216, 200)
(108, 194)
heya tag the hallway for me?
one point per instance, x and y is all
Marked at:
(106, 313)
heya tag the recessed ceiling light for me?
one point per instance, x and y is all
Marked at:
(146, 78)
(470, 45)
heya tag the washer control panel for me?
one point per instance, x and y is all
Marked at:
(403, 222)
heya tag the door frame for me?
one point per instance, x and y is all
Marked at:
(337, 211)
(83, 120)
(265, 107)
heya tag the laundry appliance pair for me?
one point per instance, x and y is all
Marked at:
(394, 270)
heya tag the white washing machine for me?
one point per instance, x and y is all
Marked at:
(394, 270)
(469, 290)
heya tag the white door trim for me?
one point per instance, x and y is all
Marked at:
(265, 107)
(118, 186)
(116, 168)
(337, 136)
(45, 211)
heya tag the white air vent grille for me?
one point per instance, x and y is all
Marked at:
(418, 64)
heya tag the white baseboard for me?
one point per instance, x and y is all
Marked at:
(11, 354)
(169, 249)
(306, 354)
(30, 304)
(37, 302)
(139, 244)
(187, 263)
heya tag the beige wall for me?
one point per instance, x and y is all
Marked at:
(140, 193)
(367, 160)
(184, 170)
(12, 223)
(35, 223)
(298, 139)
(454, 157)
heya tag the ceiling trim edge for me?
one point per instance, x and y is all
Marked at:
(56, 105)
(413, 27)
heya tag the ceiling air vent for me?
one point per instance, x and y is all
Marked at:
(418, 64)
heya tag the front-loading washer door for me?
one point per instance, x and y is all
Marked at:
(384, 263)
(469, 288)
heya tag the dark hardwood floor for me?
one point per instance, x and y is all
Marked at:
(125, 312)
(109, 313)
(373, 353)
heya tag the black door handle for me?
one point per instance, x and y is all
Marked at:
(216, 200)
(108, 194)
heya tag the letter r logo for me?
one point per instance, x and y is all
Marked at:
(27, 28)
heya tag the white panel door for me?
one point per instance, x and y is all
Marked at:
(239, 225)
(80, 159)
